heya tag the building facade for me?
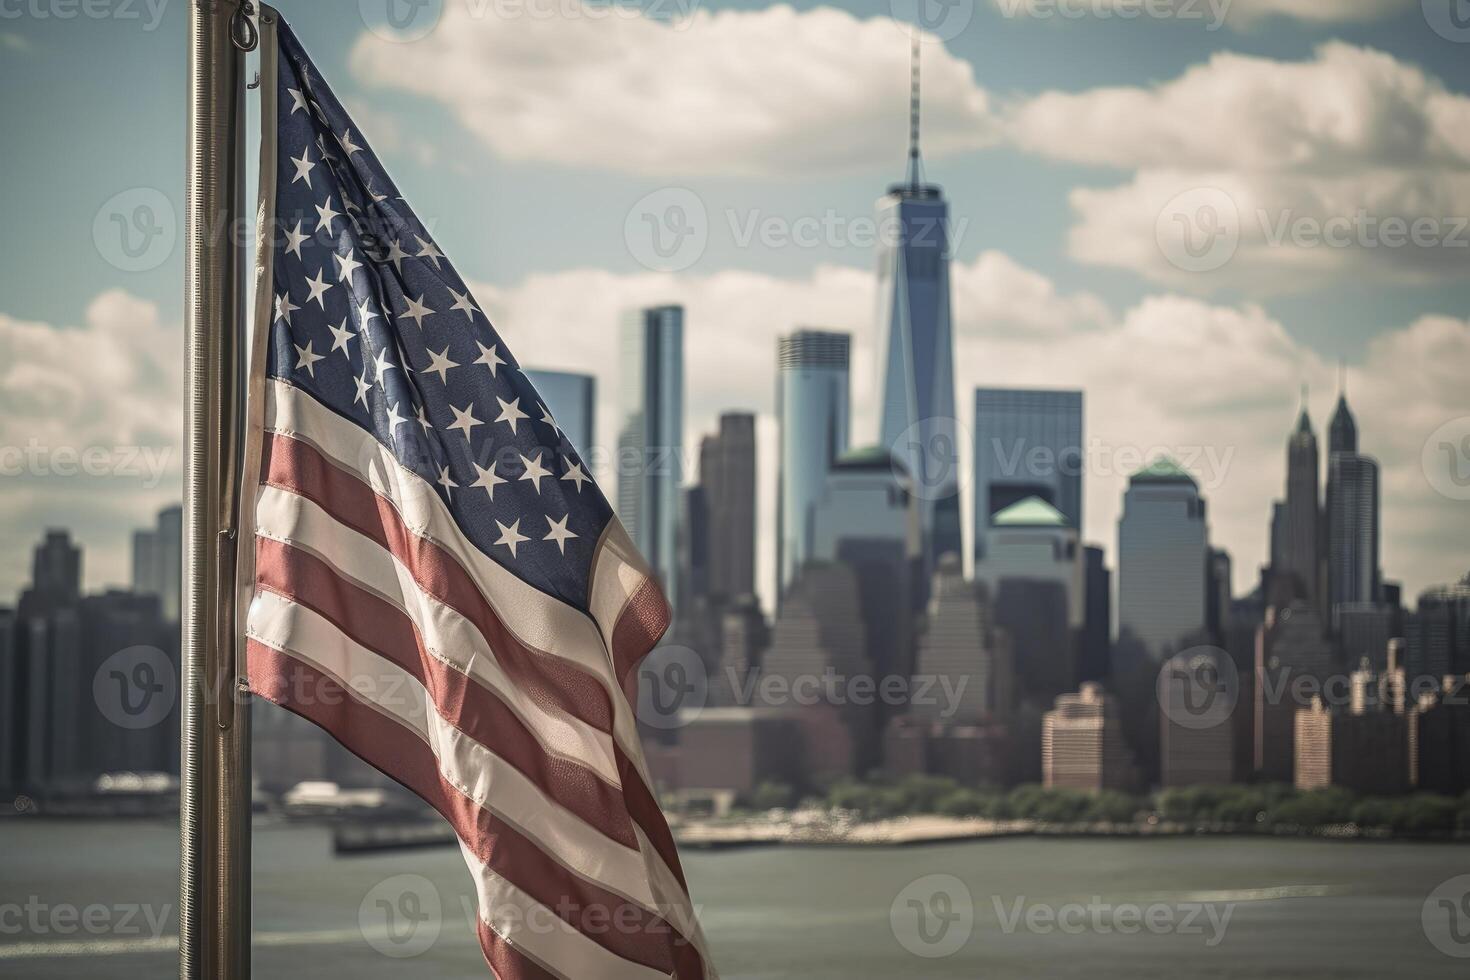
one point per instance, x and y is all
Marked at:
(1028, 443)
(1162, 547)
(651, 436)
(572, 400)
(812, 415)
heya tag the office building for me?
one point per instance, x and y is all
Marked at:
(867, 520)
(11, 707)
(1162, 546)
(1352, 517)
(1290, 646)
(812, 415)
(572, 401)
(727, 475)
(1028, 443)
(1302, 553)
(158, 561)
(1034, 575)
(1095, 652)
(818, 646)
(960, 652)
(651, 436)
(1082, 745)
(915, 348)
(1438, 631)
(1197, 712)
(1364, 752)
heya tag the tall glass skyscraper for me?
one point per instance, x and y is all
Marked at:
(812, 413)
(651, 436)
(1028, 443)
(1303, 516)
(1352, 515)
(572, 401)
(1162, 546)
(915, 346)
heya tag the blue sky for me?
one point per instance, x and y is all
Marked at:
(528, 169)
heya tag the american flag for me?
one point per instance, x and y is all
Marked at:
(438, 582)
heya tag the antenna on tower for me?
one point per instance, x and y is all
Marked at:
(915, 175)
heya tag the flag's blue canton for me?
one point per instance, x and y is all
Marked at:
(371, 319)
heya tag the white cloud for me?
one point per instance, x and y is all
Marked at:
(91, 419)
(765, 92)
(1351, 163)
(1214, 384)
(1249, 12)
(1239, 14)
(1345, 109)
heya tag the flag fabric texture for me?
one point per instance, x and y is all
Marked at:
(438, 583)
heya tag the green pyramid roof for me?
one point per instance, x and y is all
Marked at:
(1163, 469)
(1031, 512)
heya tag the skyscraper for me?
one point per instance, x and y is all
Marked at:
(1303, 514)
(915, 348)
(651, 437)
(158, 560)
(868, 521)
(727, 474)
(56, 571)
(1028, 443)
(171, 560)
(572, 401)
(1034, 576)
(1162, 546)
(1352, 515)
(812, 414)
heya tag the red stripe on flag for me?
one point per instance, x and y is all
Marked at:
(635, 934)
(474, 709)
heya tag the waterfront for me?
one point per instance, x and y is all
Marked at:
(1236, 908)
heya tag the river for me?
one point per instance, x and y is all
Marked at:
(98, 898)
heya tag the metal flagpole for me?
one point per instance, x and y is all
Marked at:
(214, 792)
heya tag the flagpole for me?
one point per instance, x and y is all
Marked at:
(214, 791)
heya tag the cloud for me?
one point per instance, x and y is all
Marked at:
(91, 420)
(1346, 109)
(1351, 163)
(1238, 14)
(744, 93)
(1215, 385)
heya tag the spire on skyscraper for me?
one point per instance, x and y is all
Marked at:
(1342, 431)
(916, 166)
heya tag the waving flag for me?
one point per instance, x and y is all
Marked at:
(438, 583)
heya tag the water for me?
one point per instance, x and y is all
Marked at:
(1255, 908)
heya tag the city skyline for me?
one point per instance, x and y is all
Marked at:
(1033, 306)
